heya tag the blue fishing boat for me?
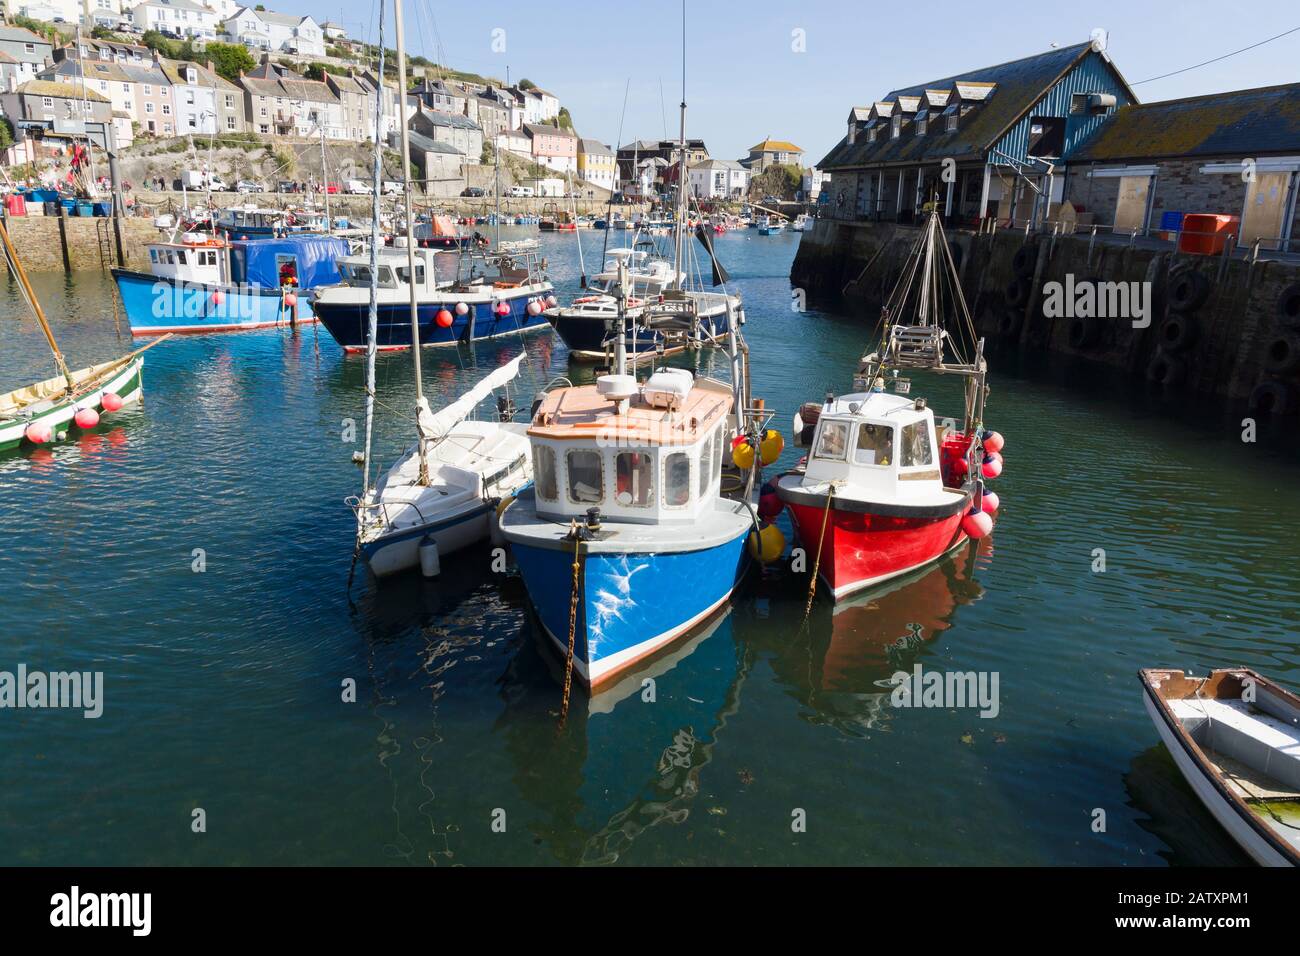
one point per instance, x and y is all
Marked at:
(202, 283)
(627, 486)
(460, 297)
(258, 222)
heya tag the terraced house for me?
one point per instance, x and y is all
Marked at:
(204, 102)
(280, 102)
(1003, 132)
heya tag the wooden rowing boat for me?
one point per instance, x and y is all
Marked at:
(1235, 735)
(48, 409)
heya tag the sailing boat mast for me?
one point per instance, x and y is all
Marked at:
(12, 256)
(410, 216)
(681, 172)
(372, 345)
(496, 221)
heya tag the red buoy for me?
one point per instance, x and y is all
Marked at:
(111, 401)
(443, 318)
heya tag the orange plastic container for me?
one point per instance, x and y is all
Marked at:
(1204, 233)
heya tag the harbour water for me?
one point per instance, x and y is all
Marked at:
(223, 689)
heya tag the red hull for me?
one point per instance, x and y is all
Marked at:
(865, 549)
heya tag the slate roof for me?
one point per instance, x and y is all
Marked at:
(94, 70)
(594, 147)
(541, 129)
(431, 145)
(454, 120)
(1238, 123)
(1016, 86)
(21, 35)
(60, 89)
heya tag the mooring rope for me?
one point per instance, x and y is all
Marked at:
(821, 543)
(573, 624)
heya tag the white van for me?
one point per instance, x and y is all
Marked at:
(518, 191)
(358, 187)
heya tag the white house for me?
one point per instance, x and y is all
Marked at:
(182, 17)
(277, 32)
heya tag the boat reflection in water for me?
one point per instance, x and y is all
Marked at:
(843, 667)
(632, 755)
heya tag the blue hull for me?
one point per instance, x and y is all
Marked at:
(630, 605)
(348, 322)
(155, 305)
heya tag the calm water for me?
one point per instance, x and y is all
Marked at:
(223, 688)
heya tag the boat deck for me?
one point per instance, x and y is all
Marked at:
(583, 413)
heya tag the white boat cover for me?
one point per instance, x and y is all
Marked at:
(434, 427)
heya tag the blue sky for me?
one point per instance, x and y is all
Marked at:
(745, 82)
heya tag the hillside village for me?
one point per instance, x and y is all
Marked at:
(163, 69)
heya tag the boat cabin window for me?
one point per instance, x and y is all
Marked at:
(153, 255)
(544, 472)
(634, 479)
(917, 449)
(586, 477)
(677, 479)
(875, 445)
(404, 274)
(833, 440)
(706, 464)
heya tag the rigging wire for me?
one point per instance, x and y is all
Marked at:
(1197, 66)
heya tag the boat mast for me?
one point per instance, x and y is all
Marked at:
(410, 217)
(372, 345)
(681, 172)
(325, 183)
(496, 156)
(21, 274)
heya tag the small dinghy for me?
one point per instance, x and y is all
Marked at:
(1235, 735)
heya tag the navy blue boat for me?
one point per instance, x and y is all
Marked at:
(460, 298)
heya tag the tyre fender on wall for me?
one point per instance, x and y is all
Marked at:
(1288, 307)
(1270, 397)
(1166, 369)
(1177, 332)
(1188, 291)
(1085, 331)
(1282, 354)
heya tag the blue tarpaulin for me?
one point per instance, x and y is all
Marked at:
(302, 261)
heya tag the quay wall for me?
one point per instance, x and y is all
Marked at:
(40, 248)
(1221, 327)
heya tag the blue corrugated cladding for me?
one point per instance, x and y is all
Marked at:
(1090, 75)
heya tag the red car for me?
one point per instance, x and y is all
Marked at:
(330, 188)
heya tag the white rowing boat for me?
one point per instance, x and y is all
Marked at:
(1235, 735)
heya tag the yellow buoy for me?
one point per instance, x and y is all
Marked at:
(742, 453)
(769, 450)
(767, 544)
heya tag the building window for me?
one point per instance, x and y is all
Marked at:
(1078, 104)
(895, 126)
(148, 107)
(167, 110)
(47, 102)
(950, 114)
(230, 122)
(922, 121)
(1046, 136)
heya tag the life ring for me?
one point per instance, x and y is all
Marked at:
(1270, 397)
(1084, 332)
(1282, 354)
(1288, 306)
(1166, 369)
(586, 298)
(1178, 332)
(1187, 291)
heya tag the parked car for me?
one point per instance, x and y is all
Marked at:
(286, 186)
(330, 188)
(391, 188)
(472, 191)
(518, 191)
(358, 187)
(248, 186)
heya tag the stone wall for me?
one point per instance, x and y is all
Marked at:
(1237, 338)
(1180, 186)
(40, 247)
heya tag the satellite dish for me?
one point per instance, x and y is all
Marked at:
(1099, 38)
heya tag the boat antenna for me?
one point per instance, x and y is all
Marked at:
(609, 206)
(410, 220)
(372, 333)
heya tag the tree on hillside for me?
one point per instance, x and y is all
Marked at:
(228, 59)
(527, 85)
(777, 180)
(315, 71)
(565, 121)
(156, 41)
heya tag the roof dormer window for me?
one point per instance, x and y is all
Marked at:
(922, 121)
(950, 115)
(895, 126)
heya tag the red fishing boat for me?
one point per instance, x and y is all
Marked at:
(884, 491)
